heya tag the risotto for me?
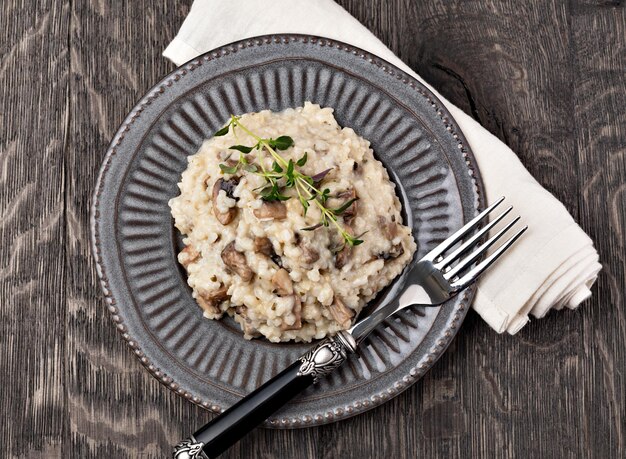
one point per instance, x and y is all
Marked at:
(251, 250)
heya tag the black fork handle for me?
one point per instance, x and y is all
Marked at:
(229, 427)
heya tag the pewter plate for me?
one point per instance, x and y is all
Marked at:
(135, 243)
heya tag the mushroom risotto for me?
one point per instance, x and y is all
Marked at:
(291, 225)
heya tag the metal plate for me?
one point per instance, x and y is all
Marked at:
(135, 242)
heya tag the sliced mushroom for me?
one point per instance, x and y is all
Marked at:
(245, 322)
(236, 261)
(264, 245)
(341, 313)
(271, 210)
(309, 254)
(297, 311)
(188, 255)
(228, 186)
(395, 252)
(342, 257)
(208, 307)
(210, 301)
(388, 228)
(282, 282)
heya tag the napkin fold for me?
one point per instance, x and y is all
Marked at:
(552, 266)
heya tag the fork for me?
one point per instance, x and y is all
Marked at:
(440, 275)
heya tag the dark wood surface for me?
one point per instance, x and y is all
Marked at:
(547, 77)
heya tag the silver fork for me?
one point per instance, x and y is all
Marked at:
(431, 281)
(434, 279)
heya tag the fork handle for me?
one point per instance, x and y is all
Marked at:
(230, 426)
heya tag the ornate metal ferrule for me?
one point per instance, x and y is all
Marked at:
(189, 449)
(326, 356)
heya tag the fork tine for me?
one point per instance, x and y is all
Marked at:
(464, 263)
(483, 265)
(456, 237)
(472, 241)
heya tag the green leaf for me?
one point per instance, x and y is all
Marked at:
(302, 161)
(267, 194)
(354, 240)
(281, 143)
(290, 179)
(275, 196)
(265, 190)
(276, 167)
(325, 195)
(241, 148)
(272, 193)
(305, 204)
(344, 207)
(250, 168)
(222, 131)
(228, 170)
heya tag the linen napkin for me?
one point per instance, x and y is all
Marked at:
(551, 267)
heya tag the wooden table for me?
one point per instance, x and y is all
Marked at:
(547, 77)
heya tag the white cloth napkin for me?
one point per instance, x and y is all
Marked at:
(552, 266)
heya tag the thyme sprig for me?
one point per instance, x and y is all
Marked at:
(285, 174)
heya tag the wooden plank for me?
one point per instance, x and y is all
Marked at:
(600, 115)
(115, 408)
(33, 114)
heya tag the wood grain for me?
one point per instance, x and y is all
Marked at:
(33, 99)
(547, 77)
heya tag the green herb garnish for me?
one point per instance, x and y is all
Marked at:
(222, 131)
(285, 174)
(241, 148)
(229, 170)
